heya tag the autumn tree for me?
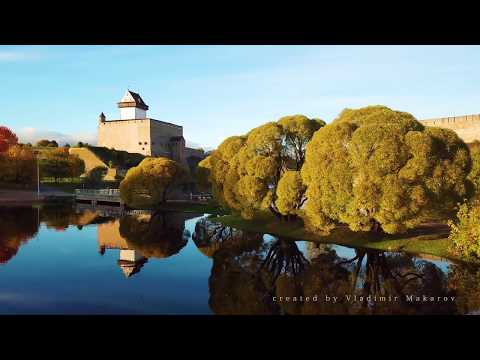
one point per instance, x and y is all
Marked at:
(378, 169)
(202, 174)
(47, 143)
(17, 165)
(95, 176)
(465, 231)
(149, 183)
(7, 138)
(59, 163)
(474, 175)
(290, 193)
(245, 171)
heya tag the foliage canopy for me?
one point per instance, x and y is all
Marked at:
(245, 171)
(59, 163)
(17, 165)
(7, 138)
(465, 233)
(378, 169)
(148, 183)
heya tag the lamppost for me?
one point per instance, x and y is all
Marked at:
(38, 174)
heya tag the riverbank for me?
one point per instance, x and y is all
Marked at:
(16, 197)
(429, 239)
(30, 197)
(188, 207)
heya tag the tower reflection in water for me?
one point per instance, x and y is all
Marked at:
(143, 236)
(249, 270)
(108, 236)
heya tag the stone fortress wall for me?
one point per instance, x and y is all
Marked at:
(467, 127)
(125, 135)
(161, 135)
(148, 137)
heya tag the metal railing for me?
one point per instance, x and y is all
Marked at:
(201, 197)
(98, 192)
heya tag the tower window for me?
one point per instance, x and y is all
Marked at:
(139, 143)
(145, 143)
(143, 148)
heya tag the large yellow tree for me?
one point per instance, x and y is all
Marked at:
(378, 169)
(148, 183)
(245, 171)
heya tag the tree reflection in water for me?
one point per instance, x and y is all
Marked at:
(251, 272)
(464, 280)
(209, 237)
(59, 216)
(236, 286)
(396, 276)
(17, 226)
(284, 257)
(158, 235)
(247, 275)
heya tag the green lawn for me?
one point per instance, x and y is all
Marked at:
(429, 239)
(192, 207)
(69, 185)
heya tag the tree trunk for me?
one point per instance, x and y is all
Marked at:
(377, 227)
(275, 211)
(164, 195)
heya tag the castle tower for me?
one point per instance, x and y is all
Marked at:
(101, 118)
(131, 262)
(136, 133)
(132, 106)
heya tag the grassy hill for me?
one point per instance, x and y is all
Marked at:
(116, 159)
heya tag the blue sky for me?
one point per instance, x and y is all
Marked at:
(218, 91)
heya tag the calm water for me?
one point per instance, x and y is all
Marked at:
(74, 260)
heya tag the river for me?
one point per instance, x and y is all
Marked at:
(65, 259)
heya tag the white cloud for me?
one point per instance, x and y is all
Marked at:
(13, 56)
(195, 145)
(32, 135)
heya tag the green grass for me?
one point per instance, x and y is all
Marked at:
(189, 207)
(429, 240)
(70, 186)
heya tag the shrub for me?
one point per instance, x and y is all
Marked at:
(148, 183)
(95, 176)
(465, 233)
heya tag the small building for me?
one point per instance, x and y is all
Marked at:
(135, 132)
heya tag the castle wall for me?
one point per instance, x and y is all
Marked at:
(177, 150)
(148, 137)
(467, 127)
(132, 136)
(108, 236)
(161, 134)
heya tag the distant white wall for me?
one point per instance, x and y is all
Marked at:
(129, 113)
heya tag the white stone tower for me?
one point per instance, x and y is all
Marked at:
(132, 106)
